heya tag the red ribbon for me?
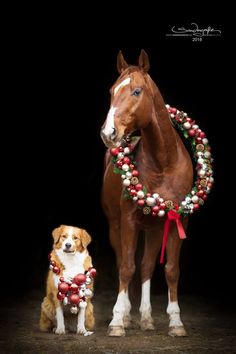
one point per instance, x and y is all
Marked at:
(172, 215)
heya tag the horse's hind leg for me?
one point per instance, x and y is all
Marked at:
(176, 328)
(151, 250)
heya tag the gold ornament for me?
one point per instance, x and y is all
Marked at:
(203, 182)
(146, 210)
(200, 147)
(134, 180)
(169, 204)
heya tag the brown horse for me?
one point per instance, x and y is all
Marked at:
(164, 167)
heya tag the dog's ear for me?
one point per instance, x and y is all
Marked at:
(85, 238)
(56, 234)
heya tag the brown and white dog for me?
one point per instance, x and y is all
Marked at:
(71, 256)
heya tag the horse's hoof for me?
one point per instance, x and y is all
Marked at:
(147, 325)
(116, 331)
(177, 331)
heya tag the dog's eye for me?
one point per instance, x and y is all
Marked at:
(76, 238)
(63, 236)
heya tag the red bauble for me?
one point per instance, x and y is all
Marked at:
(121, 149)
(202, 135)
(199, 140)
(135, 173)
(56, 270)
(138, 187)
(162, 206)
(189, 120)
(195, 206)
(141, 202)
(63, 287)
(75, 299)
(114, 151)
(61, 296)
(92, 271)
(74, 288)
(126, 160)
(131, 166)
(148, 195)
(119, 163)
(155, 209)
(191, 132)
(173, 110)
(133, 192)
(200, 193)
(61, 279)
(79, 279)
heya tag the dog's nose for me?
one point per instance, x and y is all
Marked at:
(68, 245)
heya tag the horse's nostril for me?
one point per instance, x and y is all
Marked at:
(113, 135)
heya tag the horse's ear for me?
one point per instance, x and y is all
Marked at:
(121, 63)
(144, 61)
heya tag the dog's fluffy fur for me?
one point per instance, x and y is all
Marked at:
(71, 255)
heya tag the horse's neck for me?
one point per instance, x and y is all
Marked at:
(159, 138)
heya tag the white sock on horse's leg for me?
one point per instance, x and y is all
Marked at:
(145, 308)
(119, 309)
(173, 311)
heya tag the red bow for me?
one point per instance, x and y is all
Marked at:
(172, 215)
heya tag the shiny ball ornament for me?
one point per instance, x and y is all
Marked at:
(141, 202)
(126, 182)
(88, 293)
(60, 296)
(128, 174)
(126, 150)
(140, 194)
(156, 195)
(74, 299)
(187, 125)
(63, 287)
(195, 199)
(161, 213)
(92, 272)
(114, 151)
(125, 167)
(150, 201)
(120, 155)
(74, 288)
(56, 270)
(79, 279)
(135, 173)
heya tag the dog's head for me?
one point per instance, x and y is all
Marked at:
(70, 239)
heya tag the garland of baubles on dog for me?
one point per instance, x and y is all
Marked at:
(154, 204)
(76, 292)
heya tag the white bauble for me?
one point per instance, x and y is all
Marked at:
(126, 182)
(150, 201)
(140, 194)
(125, 167)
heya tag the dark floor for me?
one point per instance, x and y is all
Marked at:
(211, 329)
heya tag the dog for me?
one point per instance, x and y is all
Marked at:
(69, 258)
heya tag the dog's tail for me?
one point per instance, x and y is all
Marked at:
(47, 315)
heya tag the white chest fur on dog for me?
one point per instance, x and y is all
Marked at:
(73, 263)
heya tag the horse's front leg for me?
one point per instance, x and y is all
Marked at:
(129, 235)
(173, 247)
(152, 247)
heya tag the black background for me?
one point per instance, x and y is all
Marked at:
(61, 87)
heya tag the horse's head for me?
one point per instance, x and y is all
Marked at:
(131, 101)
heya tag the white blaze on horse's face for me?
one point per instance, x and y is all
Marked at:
(109, 128)
(122, 83)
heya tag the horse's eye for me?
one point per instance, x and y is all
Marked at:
(136, 91)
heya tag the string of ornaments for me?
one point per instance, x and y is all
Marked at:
(155, 204)
(76, 292)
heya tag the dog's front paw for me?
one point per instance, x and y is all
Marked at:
(84, 331)
(59, 330)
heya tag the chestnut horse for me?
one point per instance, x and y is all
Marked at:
(164, 167)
